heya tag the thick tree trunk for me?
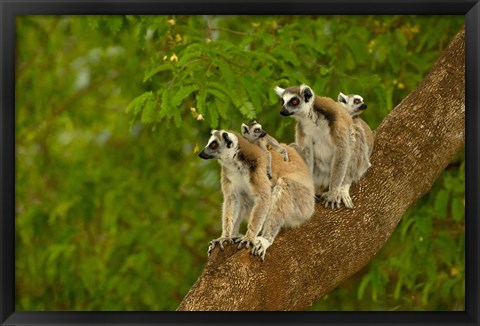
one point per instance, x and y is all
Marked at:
(413, 145)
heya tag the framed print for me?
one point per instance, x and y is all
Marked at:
(346, 136)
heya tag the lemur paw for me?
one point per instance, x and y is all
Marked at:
(244, 241)
(269, 175)
(237, 238)
(346, 199)
(332, 199)
(285, 156)
(260, 247)
(220, 242)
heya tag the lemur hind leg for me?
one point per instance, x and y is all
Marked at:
(282, 205)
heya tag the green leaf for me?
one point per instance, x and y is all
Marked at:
(286, 54)
(426, 292)
(248, 110)
(349, 60)
(311, 43)
(264, 57)
(183, 93)
(215, 92)
(200, 101)
(227, 73)
(405, 227)
(138, 103)
(254, 90)
(325, 71)
(424, 224)
(441, 203)
(458, 209)
(246, 41)
(398, 287)
(188, 57)
(402, 40)
(156, 70)
(358, 48)
(115, 23)
(222, 107)
(165, 107)
(148, 113)
(363, 285)
(268, 39)
(213, 116)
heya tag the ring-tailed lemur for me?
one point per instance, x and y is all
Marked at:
(269, 204)
(326, 137)
(254, 133)
(355, 105)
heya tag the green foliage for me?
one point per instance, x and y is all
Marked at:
(237, 63)
(113, 207)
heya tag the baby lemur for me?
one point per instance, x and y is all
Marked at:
(331, 145)
(287, 199)
(254, 133)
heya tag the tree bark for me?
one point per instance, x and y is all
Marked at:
(413, 145)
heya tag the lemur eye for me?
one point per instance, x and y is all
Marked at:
(213, 145)
(294, 101)
(356, 101)
(257, 130)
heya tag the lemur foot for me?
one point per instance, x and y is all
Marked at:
(260, 247)
(220, 242)
(237, 238)
(332, 199)
(244, 241)
(346, 199)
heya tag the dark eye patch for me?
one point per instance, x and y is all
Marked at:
(356, 101)
(294, 101)
(213, 145)
(257, 130)
(283, 101)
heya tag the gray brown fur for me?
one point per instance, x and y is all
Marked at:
(328, 141)
(269, 204)
(355, 105)
(255, 134)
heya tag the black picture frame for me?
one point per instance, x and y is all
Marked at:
(9, 9)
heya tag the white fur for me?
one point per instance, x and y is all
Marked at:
(279, 90)
(349, 105)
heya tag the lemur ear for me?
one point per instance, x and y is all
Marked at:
(279, 91)
(342, 98)
(227, 139)
(306, 93)
(245, 129)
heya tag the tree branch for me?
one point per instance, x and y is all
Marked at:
(413, 145)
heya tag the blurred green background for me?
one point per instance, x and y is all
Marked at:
(114, 209)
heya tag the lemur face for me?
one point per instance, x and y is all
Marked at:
(253, 131)
(221, 145)
(354, 104)
(296, 100)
